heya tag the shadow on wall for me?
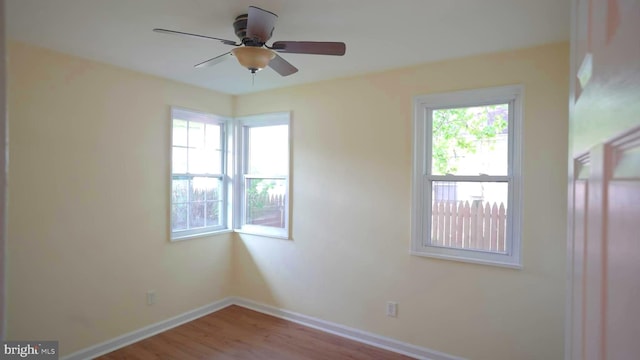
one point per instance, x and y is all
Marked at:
(248, 280)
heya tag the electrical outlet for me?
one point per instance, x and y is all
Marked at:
(392, 309)
(151, 297)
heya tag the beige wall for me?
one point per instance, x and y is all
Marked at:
(88, 212)
(351, 214)
(89, 204)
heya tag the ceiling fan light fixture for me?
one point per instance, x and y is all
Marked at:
(253, 58)
(254, 29)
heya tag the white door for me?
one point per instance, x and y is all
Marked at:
(604, 203)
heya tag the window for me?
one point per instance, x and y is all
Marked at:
(202, 188)
(467, 176)
(263, 173)
(198, 176)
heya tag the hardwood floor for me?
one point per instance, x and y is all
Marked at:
(239, 333)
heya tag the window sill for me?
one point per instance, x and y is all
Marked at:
(200, 235)
(263, 234)
(471, 260)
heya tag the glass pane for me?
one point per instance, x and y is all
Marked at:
(197, 158)
(196, 215)
(212, 137)
(213, 162)
(199, 187)
(196, 135)
(179, 191)
(265, 202)
(205, 188)
(268, 150)
(213, 188)
(179, 161)
(470, 141)
(203, 162)
(469, 215)
(179, 132)
(213, 159)
(213, 213)
(178, 217)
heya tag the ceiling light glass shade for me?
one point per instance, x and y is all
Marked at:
(253, 58)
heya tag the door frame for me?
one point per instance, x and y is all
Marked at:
(4, 155)
(568, 323)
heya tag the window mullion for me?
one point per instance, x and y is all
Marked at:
(265, 176)
(190, 179)
(474, 178)
(213, 176)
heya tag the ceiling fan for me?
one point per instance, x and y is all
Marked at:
(254, 29)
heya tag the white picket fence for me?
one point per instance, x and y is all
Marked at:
(458, 224)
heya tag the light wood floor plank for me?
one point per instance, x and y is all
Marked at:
(239, 333)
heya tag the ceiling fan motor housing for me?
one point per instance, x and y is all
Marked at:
(240, 26)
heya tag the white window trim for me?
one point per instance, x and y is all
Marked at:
(226, 223)
(421, 166)
(272, 119)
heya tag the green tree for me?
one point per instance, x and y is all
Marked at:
(459, 132)
(258, 192)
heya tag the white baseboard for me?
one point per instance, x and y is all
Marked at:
(147, 331)
(322, 325)
(347, 332)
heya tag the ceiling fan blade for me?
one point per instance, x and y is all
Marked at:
(173, 32)
(260, 24)
(213, 61)
(310, 47)
(282, 66)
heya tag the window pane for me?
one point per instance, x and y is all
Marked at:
(196, 135)
(212, 136)
(198, 188)
(212, 162)
(469, 215)
(268, 150)
(179, 161)
(470, 141)
(213, 159)
(203, 161)
(179, 191)
(213, 188)
(205, 188)
(197, 155)
(197, 159)
(196, 215)
(179, 132)
(265, 202)
(178, 217)
(213, 213)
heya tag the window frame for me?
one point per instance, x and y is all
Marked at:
(424, 105)
(242, 125)
(224, 124)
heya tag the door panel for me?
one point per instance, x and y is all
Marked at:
(594, 267)
(604, 231)
(581, 202)
(622, 325)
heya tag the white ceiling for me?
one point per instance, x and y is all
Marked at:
(380, 34)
